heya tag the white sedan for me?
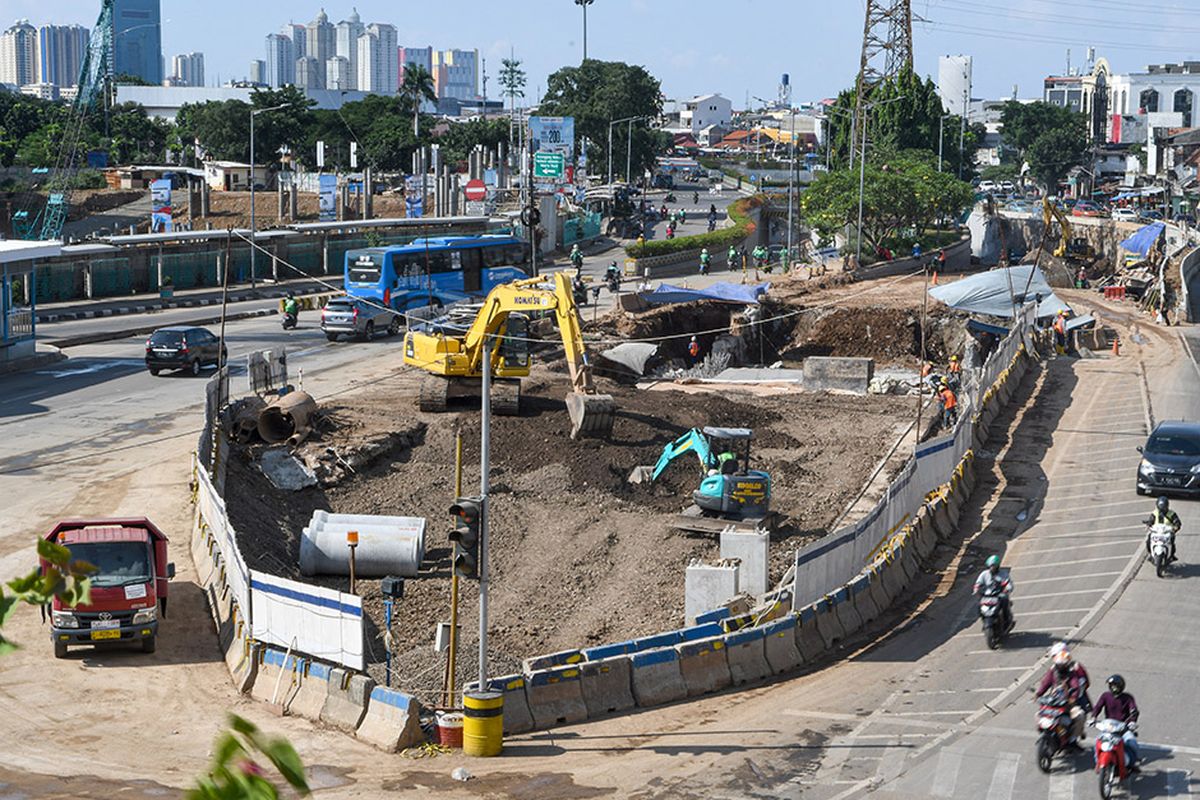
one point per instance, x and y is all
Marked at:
(1124, 215)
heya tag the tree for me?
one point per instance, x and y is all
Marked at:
(462, 137)
(1050, 138)
(597, 92)
(236, 774)
(223, 127)
(512, 81)
(64, 577)
(416, 87)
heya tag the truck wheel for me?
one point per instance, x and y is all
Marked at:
(60, 649)
(149, 644)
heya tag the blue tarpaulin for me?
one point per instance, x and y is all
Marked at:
(723, 292)
(1144, 239)
(1000, 292)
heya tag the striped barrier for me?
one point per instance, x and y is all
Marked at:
(608, 651)
(561, 658)
(517, 717)
(347, 699)
(779, 645)
(656, 677)
(392, 721)
(745, 652)
(555, 696)
(704, 666)
(607, 686)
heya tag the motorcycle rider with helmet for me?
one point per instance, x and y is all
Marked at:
(991, 579)
(1119, 705)
(1073, 679)
(1163, 515)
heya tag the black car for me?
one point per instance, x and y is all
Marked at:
(1170, 460)
(183, 347)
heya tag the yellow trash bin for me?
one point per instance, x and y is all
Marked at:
(483, 723)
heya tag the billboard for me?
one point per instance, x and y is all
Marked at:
(414, 196)
(553, 135)
(160, 207)
(327, 198)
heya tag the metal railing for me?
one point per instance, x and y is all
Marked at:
(20, 325)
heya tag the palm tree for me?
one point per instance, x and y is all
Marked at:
(512, 80)
(417, 86)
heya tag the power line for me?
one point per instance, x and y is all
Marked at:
(959, 6)
(992, 33)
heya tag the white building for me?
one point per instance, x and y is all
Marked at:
(377, 60)
(419, 56)
(704, 111)
(954, 84)
(258, 71)
(310, 73)
(46, 91)
(337, 74)
(456, 73)
(18, 54)
(320, 44)
(348, 33)
(281, 60)
(1162, 87)
(232, 176)
(188, 68)
(60, 52)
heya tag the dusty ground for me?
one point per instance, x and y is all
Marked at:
(233, 208)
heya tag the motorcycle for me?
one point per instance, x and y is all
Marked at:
(670, 198)
(695, 198)
(1054, 727)
(288, 320)
(1158, 545)
(991, 612)
(1110, 754)
(579, 290)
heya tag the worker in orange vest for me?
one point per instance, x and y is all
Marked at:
(949, 405)
(694, 351)
(1060, 332)
(955, 367)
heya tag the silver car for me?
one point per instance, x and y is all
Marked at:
(350, 316)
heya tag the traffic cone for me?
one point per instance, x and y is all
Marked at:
(1117, 346)
(935, 277)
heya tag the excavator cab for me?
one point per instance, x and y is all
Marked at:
(732, 488)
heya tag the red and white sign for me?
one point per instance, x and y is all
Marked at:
(475, 190)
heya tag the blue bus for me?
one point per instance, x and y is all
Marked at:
(436, 270)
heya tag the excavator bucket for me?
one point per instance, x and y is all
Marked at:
(591, 414)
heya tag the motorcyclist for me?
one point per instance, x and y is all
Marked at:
(991, 580)
(576, 257)
(695, 198)
(291, 307)
(579, 289)
(1164, 515)
(1118, 704)
(1073, 679)
(612, 275)
(734, 257)
(705, 258)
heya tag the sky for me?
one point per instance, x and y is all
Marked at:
(738, 48)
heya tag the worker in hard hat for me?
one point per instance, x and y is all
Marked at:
(1060, 332)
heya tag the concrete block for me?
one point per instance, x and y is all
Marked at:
(278, 678)
(860, 597)
(704, 631)
(941, 518)
(704, 666)
(241, 657)
(656, 677)
(607, 686)
(517, 718)
(846, 374)
(847, 615)
(555, 696)
(349, 695)
(708, 586)
(827, 623)
(779, 645)
(954, 503)
(880, 597)
(894, 579)
(751, 551)
(608, 651)
(746, 654)
(923, 536)
(907, 556)
(716, 615)
(808, 638)
(658, 640)
(310, 697)
(392, 721)
(559, 659)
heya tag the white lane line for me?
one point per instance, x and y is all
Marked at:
(1178, 784)
(886, 714)
(1101, 590)
(1064, 578)
(891, 763)
(1050, 494)
(1092, 533)
(945, 778)
(1054, 611)
(1056, 565)
(1126, 542)
(1062, 784)
(1082, 523)
(1073, 510)
(1001, 669)
(1004, 777)
(896, 736)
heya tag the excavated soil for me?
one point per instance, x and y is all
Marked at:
(578, 555)
(891, 336)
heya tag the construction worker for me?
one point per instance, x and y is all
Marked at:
(693, 350)
(949, 404)
(955, 368)
(941, 260)
(1060, 332)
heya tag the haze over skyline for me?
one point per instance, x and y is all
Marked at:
(705, 46)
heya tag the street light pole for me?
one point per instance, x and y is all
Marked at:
(791, 182)
(610, 129)
(629, 152)
(584, 4)
(254, 112)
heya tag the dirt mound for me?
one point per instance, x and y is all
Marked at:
(888, 335)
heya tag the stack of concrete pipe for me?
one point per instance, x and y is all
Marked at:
(287, 418)
(386, 545)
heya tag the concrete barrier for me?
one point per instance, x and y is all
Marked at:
(561, 658)
(313, 691)
(241, 657)
(827, 623)
(704, 666)
(517, 718)
(860, 597)
(555, 696)
(278, 678)
(906, 554)
(746, 655)
(608, 651)
(808, 638)
(392, 721)
(924, 537)
(656, 677)
(880, 596)
(779, 645)
(705, 631)
(892, 575)
(941, 517)
(226, 614)
(846, 374)
(607, 686)
(954, 502)
(657, 641)
(347, 700)
(847, 615)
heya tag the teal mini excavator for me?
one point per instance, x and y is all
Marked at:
(730, 491)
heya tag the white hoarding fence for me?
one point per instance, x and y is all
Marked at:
(212, 511)
(321, 622)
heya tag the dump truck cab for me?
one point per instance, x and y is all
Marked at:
(129, 586)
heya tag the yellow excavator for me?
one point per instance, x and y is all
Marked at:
(453, 352)
(1069, 247)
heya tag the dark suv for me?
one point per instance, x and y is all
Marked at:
(1170, 460)
(183, 347)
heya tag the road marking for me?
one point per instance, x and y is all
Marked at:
(1058, 564)
(928, 725)
(968, 712)
(1080, 523)
(1123, 542)
(1062, 784)
(1060, 594)
(891, 763)
(1004, 777)
(1178, 783)
(1001, 669)
(1055, 611)
(1061, 578)
(1063, 508)
(946, 777)
(1091, 533)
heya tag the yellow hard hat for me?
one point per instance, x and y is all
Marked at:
(954, 358)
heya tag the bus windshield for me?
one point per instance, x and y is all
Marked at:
(367, 268)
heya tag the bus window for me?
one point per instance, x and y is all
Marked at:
(471, 260)
(439, 261)
(410, 270)
(366, 268)
(516, 255)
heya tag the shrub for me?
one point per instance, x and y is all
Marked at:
(717, 240)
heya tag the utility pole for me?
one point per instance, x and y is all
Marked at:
(484, 466)
(254, 112)
(484, 111)
(887, 50)
(584, 4)
(791, 182)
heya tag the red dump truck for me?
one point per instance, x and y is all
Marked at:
(129, 587)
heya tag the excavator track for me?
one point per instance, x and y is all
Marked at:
(435, 394)
(506, 397)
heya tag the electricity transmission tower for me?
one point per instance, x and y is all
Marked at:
(887, 49)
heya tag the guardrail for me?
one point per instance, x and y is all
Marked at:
(19, 325)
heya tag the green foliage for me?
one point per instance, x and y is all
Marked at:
(223, 127)
(64, 578)
(512, 79)
(901, 192)
(716, 241)
(598, 92)
(236, 774)
(462, 137)
(1050, 138)
(125, 79)
(1001, 172)
(416, 87)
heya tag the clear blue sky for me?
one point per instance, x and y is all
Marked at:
(727, 46)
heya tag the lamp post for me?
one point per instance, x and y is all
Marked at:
(584, 4)
(942, 137)
(791, 179)
(254, 112)
(610, 135)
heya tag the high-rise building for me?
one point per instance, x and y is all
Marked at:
(137, 39)
(258, 71)
(456, 73)
(281, 60)
(310, 73)
(299, 36)
(377, 59)
(188, 68)
(348, 31)
(337, 74)
(954, 84)
(60, 52)
(419, 56)
(18, 50)
(321, 43)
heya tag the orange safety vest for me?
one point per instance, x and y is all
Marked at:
(694, 349)
(949, 401)
(1060, 325)
(954, 368)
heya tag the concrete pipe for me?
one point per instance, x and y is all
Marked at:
(386, 545)
(283, 417)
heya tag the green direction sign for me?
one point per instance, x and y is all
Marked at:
(548, 165)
